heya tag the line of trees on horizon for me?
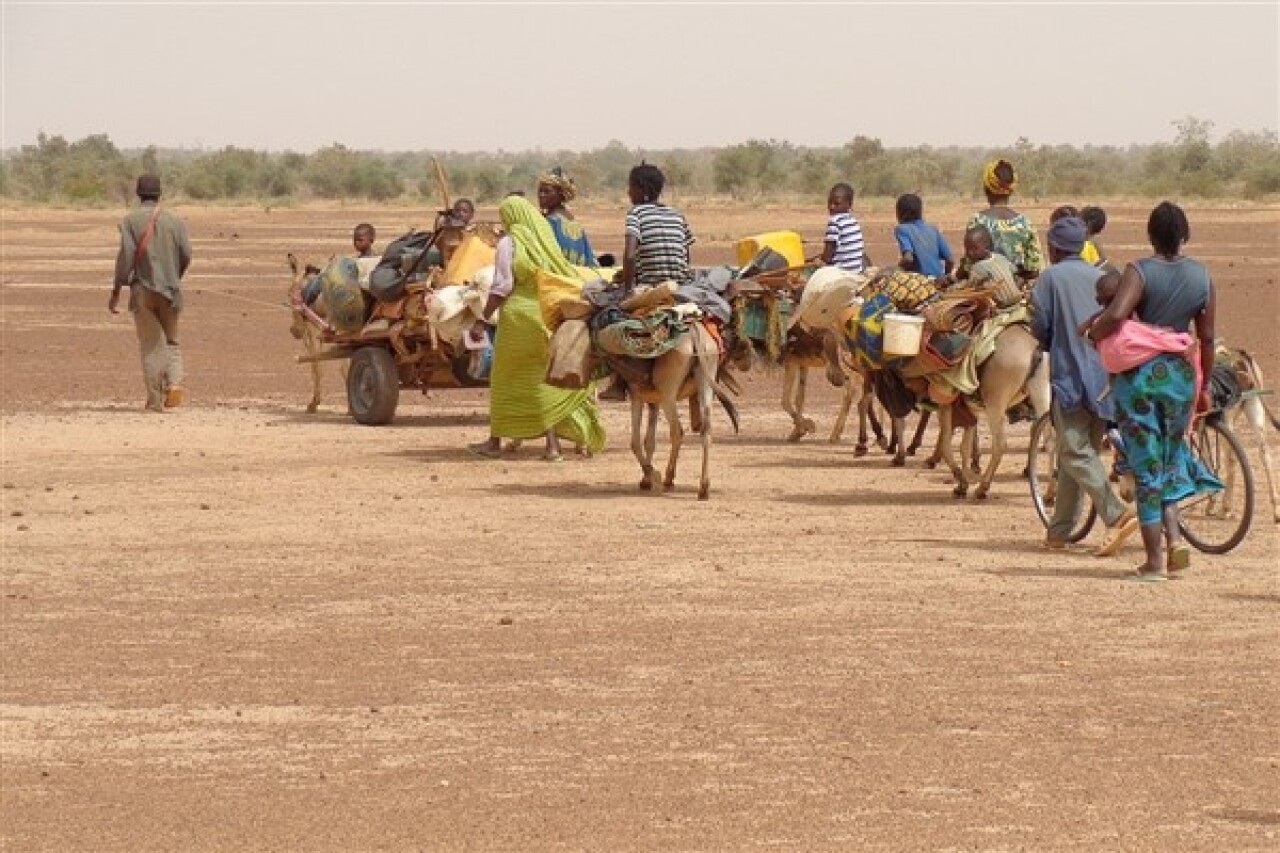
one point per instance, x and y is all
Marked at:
(93, 171)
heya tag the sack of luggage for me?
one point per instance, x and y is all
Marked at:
(387, 281)
(907, 290)
(345, 301)
(572, 360)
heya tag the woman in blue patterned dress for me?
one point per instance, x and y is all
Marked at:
(1155, 401)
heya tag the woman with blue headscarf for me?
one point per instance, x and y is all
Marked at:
(521, 404)
(555, 191)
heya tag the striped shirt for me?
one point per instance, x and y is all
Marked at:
(846, 233)
(664, 239)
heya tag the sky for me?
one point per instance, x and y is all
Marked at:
(514, 76)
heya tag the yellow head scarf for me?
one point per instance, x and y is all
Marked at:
(558, 179)
(533, 236)
(991, 181)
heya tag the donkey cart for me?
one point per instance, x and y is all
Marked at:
(412, 336)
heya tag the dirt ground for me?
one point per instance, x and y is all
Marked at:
(241, 627)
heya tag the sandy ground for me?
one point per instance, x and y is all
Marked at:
(242, 627)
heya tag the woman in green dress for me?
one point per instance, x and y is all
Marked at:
(521, 404)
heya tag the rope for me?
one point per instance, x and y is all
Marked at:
(249, 299)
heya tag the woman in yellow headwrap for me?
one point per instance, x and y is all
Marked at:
(1012, 234)
(521, 404)
(555, 190)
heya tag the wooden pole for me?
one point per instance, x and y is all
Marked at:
(442, 184)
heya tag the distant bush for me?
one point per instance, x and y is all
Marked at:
(93, 171)
(1262, 179)
(89, 171)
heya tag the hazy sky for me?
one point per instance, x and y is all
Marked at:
(488, 76)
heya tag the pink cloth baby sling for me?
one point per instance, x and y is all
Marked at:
(1135, 343)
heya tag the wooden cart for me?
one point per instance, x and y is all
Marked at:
(398, 346)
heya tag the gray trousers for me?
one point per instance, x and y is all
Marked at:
(157, 323)
(1080, 471)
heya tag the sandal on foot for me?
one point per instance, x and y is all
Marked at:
(1179, 559)
(1140, 576)
(553, 457)
(484, 450)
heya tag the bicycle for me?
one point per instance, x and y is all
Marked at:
(1212, 523)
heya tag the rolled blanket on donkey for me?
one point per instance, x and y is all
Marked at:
(625, 332)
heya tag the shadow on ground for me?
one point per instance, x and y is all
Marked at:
(869, 497)
(1100, 573)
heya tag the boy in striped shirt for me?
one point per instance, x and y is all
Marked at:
(844, 246)
(658, 237)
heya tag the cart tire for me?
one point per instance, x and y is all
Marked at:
(373, 386)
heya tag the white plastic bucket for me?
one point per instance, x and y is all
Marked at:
(902, 334)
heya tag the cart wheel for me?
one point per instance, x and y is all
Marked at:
(373, 386)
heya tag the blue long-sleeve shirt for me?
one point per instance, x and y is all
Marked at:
(1062, 299)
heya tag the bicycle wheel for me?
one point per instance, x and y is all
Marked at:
(1216, 523)
(1042, 473)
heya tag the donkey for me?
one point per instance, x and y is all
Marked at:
(1016, 369)
(691, 370)
(822, 308)
(305, 331)
(1252, 410)
(841, 373)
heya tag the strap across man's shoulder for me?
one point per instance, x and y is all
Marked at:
(146, 238)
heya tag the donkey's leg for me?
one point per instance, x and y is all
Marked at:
(966, 448)
(947, 452)
(899, 443)
(789, 373)
(975, 453)
(870, 392)
(918, 438)
(864, 413)
(705, 396)
(794, 378)
(314, 405)
(1252, 410)
(651, 434)
(842, 416)
(637, 442)
(312, 347)
(342, 375)
(882, 440)
(671, 411)
(802, 386)
(996, 420)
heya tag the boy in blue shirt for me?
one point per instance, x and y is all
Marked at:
(924, 249)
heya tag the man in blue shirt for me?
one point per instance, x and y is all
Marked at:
(1063, 299)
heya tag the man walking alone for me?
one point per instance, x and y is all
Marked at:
(155, 252)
